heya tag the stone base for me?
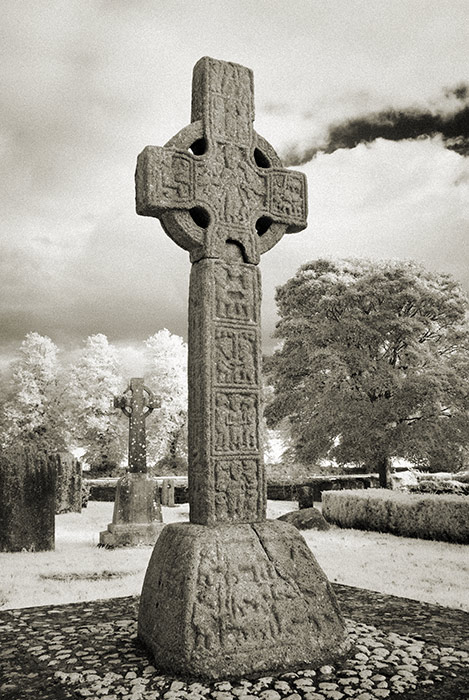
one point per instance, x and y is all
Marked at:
(137, 512)
(130, 534)
(238, 600)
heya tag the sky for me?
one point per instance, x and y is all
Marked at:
(369, 98)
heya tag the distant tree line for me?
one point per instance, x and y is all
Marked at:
(373, 365)
(58, 407)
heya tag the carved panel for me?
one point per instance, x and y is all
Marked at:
(235, 355)
(288, 196)
(177, 179)
(236, 489)
(236, 422)
(242, 602)
(236, 293)
(230, 185)
(231, 102)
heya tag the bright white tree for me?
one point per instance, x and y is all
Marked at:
(35, 410)
(94, 380)
(166, 376)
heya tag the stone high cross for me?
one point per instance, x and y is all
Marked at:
(137, 402)
(137, 515)
(221, 193)
(230, 593)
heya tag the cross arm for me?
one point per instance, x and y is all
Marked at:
(165, 183)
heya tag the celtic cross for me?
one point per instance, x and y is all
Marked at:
(137, 402)
(220, 192)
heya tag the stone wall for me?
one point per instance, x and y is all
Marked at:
(105, 489)
(312, 491)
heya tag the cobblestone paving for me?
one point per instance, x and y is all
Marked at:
(402, 649)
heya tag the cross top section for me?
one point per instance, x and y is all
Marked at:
(218, 187)
(137, 402)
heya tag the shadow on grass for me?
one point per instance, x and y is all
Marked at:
(87, 576)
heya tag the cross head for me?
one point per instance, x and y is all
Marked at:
(137, 402)
(218, 186)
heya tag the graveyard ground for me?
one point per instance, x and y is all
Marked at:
(78, 570)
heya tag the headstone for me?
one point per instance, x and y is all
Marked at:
(137, 510)
(229, 593)
(27, 500)
(69, 489)
(167, 492)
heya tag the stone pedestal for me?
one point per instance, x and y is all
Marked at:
(232, 600)
(137, 512)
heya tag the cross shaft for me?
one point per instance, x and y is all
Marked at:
(220, 192)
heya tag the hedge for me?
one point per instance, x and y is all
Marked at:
(428, 516)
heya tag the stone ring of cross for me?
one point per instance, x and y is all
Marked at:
(124, 402)
(200, 220)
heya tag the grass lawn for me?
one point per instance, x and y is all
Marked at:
(435, 572)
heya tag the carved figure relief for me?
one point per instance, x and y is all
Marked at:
(237, 487)
(176, 178)
(231, 102)
(235, 356)
(236, 423)
(242, 601)
(288, 196)
(236, 294)
(229, 180)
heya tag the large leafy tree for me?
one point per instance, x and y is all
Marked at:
(374, 364)
(35, 410)
(94, 379)
(166, 376)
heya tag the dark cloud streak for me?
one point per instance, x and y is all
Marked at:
(397, 125)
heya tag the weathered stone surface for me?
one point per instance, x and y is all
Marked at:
(137, 511)
(306, 519)
(27, 500)
(68, 483)
(137, 403)
(229, 593)
(237, 599)
(167, 492)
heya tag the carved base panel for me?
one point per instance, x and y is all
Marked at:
(236, 600)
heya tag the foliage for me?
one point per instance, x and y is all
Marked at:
(35, 411)
(429, 516)
(166, 376)
(85, 493)
(439, 486)
(94, 380)
(374, 364)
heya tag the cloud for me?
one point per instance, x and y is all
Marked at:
(86, 85)
(398, 125)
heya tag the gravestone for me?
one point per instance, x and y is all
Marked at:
(27, 500)
(229, 593)
(137, 511)
(69, 489)
(167, 492)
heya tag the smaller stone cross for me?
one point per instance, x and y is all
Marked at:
(137, 402)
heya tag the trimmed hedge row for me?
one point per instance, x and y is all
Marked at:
(428, 516)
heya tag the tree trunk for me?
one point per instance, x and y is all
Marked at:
(383, 464)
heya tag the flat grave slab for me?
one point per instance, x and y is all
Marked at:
(403, 649)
